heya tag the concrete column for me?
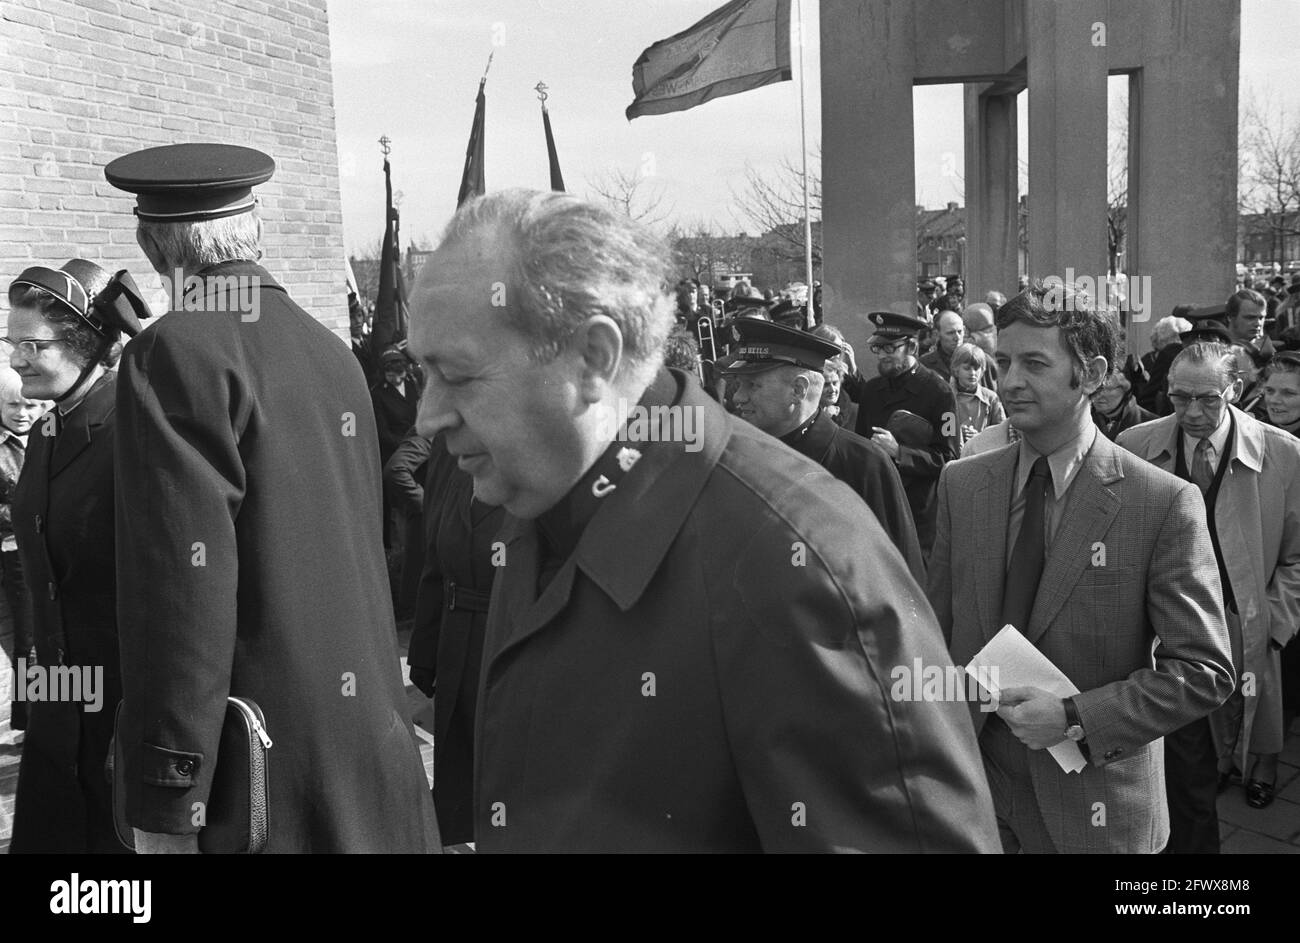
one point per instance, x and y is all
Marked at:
(1067, 137)
(1182, 223)
(868, 161)
(992, 226)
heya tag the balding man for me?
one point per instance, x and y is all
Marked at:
(691, 640)
(983, 333)
(951, 332)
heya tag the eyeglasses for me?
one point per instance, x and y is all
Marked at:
(29, 347)
(886, 348)
(1205, 400)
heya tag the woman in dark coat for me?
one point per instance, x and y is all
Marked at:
(447, 637)
(64, 340)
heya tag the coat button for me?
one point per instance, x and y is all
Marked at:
(54, 591)
(40, 524)
(185, 767)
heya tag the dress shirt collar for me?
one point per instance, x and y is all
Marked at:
(1065, 462)
(1218, 439)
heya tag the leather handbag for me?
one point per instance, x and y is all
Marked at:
(238, 813)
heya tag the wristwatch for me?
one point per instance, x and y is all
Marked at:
(1074, 727)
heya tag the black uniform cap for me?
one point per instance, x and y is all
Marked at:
(186, 183)
(1208, 324)
(893, 324)
(764, 345)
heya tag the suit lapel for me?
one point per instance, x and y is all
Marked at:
(992, 503)
(1088, 513)
(517, 611)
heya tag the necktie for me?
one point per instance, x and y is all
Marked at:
(1202, 470)
(1030, 551)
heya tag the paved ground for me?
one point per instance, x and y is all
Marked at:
(1275, 830)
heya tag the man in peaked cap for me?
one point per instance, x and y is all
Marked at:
(1209, 323)
(906, 385)
(779, 378)
(248, 529)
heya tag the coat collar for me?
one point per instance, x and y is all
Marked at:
(1160, 445)
(77, 428)
(626, 540)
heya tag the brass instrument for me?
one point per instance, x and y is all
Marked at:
(704, 328)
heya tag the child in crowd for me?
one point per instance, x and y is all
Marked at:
(17, 417)
(977, 405)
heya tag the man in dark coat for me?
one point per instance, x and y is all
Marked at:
(395, 398)
(906, 385)
(461, 558)
(249, 538)
(779, 378)
(691, 643)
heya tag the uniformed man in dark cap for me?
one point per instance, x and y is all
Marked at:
(248, 537)
(906, 386)
(778, 378)
(1208, 324)
(396, 399)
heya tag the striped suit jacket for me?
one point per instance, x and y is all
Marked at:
(1129, 608)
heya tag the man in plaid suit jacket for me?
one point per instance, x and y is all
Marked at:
(1123, 596)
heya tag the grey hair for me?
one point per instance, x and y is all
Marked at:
(1170, 327)
(193, 246)
(568, 260)
(1220, 356)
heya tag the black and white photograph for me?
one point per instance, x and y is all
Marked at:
(694, 427)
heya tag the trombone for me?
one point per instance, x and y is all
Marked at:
(704, 328)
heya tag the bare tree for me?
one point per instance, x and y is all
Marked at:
(1269, 172)
(771, 203)
(706, 253)
(1117, 185)
(631, 194)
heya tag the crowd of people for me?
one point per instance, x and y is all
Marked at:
(664, 633)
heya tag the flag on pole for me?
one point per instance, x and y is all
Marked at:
(391, 313)
(557, 179)
(740, 46)
(471, 181)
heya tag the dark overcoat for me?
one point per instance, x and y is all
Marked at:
(394, 414)
(447, 634)
(924, 393)
(689, 680)
(63, 520)
(864, 467)
(249, 533)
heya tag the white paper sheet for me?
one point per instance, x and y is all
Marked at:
(1010, 660)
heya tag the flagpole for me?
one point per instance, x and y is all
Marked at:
(809, 316)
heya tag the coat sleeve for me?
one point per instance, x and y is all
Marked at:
(938, 587)
(1193, 671)
(882, 489)
(180, 481)
(404, 491)
(1283, 588)
(831, 754)
(928, 461)
(427, 623)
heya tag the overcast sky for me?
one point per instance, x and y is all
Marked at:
(410, 69)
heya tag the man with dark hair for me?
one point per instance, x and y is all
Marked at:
(1246, 312)
(1100, 561)
(688, 643)
(1249, 474)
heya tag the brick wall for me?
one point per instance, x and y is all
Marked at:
(86, 81)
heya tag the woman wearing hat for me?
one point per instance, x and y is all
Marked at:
(65, 334)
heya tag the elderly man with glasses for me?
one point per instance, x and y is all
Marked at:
(1249, 474)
